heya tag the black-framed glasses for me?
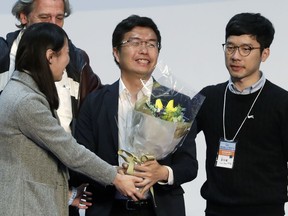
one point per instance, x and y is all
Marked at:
(136, 43)
(244, 49)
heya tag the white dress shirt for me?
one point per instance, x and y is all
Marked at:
(125, 109)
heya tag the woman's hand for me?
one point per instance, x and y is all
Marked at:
(126, 185)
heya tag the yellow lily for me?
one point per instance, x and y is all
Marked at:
(170, 106)
(158, 104)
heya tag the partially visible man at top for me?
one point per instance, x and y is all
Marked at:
(78, 78)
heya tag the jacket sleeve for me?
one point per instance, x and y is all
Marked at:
(36, 122)
(183, 161)
(4, 55)
(79, 70)
(89, 81)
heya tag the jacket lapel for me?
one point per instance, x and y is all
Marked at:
(111, 102)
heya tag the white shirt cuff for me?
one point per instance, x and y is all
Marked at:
(170, 177)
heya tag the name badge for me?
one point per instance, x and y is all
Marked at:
(226, 154)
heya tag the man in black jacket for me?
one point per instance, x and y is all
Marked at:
(104, 121)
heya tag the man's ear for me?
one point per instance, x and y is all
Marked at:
(116, 54)
(265, 54)
(49, 56)
(23, 19)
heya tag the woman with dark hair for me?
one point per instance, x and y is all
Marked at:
(35, 149)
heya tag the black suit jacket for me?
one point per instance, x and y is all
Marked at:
(97, 129)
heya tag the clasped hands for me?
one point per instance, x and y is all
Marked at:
(150, 171)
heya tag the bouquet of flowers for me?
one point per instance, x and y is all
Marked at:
(160, 121)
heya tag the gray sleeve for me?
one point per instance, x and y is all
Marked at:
(36, 122)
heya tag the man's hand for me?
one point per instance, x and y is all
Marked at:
(151, 172)
(83, 197)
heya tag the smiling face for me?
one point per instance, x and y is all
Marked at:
(51, 11)
(137, 61)
(245, 71)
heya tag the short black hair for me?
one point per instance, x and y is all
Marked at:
(131, 22)
(253, 24)
(128, 24)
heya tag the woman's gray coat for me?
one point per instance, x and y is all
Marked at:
(34, 153)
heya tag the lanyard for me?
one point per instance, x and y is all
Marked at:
(224, 109)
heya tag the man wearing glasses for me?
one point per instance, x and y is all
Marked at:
(245, 123)
(78, 78)
(104, 121)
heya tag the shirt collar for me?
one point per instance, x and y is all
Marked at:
(145, 91)
(249, 90)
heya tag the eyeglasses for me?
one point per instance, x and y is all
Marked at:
(26, 1)
(244, 49)
(134, 42)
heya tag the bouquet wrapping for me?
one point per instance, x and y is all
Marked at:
(161, 121)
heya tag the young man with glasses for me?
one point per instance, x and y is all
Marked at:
(245, 123)
(104, 119)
